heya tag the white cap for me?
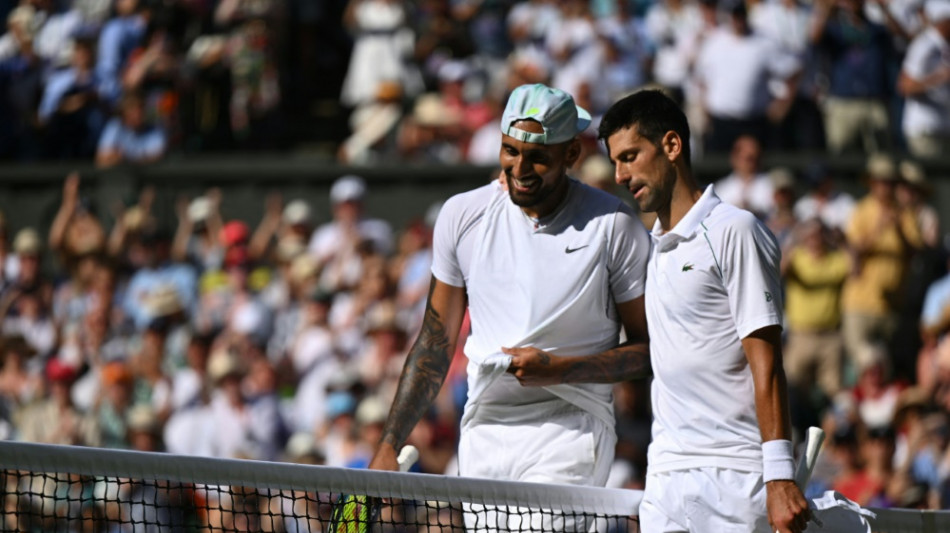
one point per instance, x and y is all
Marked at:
(347, 188)
(937, 10)
(199, 209)
(297, 212)
(371, 410)
(554, 109)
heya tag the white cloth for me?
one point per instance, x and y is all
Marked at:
(833, 512)
(553, 286)
(712, 280)
(736, 71)
(673, 33)
(834, 213)
(383, 44)
(757, 195)
(329, 238)
(704, 500)
(568, 447)
(927, 113)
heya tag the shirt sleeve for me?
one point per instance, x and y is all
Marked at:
(750, 273)
(109, 140)
(629, 252)
(445, 237)
(915, 62)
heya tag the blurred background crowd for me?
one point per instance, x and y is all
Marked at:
(390, 80)
(283, 338)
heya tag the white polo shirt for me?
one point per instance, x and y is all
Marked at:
(711, 281)
(552, 284)
(927, 113)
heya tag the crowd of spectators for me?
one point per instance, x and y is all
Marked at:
(132, 80)
(286, 341)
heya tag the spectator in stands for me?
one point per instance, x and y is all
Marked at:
(824, 201)
(788, 23)
(734, 69)
(75, 231)
(25, 313)
(21, 79)
(70, 109)
(383, 43)
(747, 186)
(858, 51)
(882, 236)
(20, 383)
(925, 83)
(815, 271)
(934, 327)
(112, 408)
(673, 26)
(434, 132)
(199, 229)
(912, 193)
(27, 275)
(238, 426)
(119, 37)
(373, 127)
(157, 273)
(336, 242)
(131, 137)
(574, 47)
(781, 219)
(55, 420)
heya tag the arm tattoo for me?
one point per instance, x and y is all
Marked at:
(422, 377)
(628, 361)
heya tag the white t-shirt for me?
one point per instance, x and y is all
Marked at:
(927, 113)
(834, 213)
(328, 239)
(671, 32)
(553, 285)
(711, 281)
(736, 71)
(757, 195)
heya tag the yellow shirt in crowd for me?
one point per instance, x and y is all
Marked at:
(813, 289)
(874, 290)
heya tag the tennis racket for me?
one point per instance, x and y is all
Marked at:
(356, 513)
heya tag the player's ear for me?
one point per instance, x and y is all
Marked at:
(572, 153)
(672, 145)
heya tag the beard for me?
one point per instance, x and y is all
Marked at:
(538, 193)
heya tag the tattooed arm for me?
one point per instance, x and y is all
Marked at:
(425, 370)
(630, 360)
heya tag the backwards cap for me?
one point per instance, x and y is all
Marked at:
(554, 109)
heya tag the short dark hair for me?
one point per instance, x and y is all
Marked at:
(652, 112)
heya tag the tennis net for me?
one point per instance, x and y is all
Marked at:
(75, 489)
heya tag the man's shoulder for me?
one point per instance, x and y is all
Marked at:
(726, 218)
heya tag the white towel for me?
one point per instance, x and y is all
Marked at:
(834, 512)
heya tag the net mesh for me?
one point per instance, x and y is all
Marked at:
(52, 488)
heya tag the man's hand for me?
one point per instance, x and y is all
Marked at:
(385, 458)
(534, 368)
(787, 507)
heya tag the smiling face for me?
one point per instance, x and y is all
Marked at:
(644, 168)
(536, 174)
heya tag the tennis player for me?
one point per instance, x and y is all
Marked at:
(550, 270)
(721, 459)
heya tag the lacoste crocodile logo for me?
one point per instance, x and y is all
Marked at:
(687, 267)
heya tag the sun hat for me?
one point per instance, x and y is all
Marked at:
(553, 108)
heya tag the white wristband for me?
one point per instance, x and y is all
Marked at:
(778, 462)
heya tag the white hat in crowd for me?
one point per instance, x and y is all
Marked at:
(199, 209)
(348, 189)
(297, 212)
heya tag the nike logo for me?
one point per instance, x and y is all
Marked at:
(569, 250)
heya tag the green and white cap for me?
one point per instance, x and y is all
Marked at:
(553, 108)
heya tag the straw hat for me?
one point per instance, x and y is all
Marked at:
(880, 167)
(913, 174)
(27, 242)
(222, 363)
(431, 110)
(297, 212)
(142, 418)
(163, 301)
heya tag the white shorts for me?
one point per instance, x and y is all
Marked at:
(704, 500)
(566, 446)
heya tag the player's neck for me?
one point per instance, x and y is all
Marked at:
(686, 193)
